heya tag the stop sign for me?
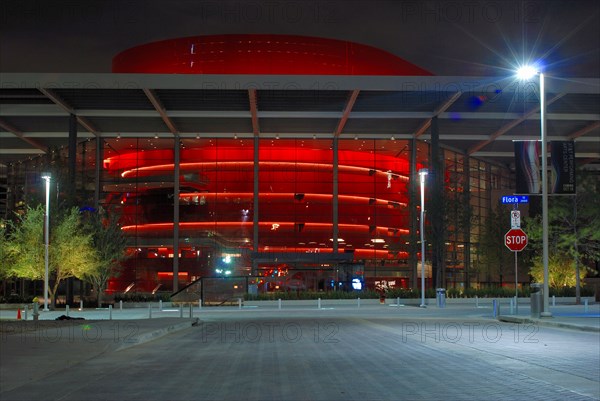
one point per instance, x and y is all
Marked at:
(515, 240)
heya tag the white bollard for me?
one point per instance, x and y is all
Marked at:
(279, 303)
(181, 310)
(109, 312)
(239, 303)
(81, 304)
(553, 300)
(585, 305)
(160, 308)
(358, 302)
(67, 310)
(149, 311)
(512, 306)
(476, 301)
(25, 312)
(121, 305)
(191, 310)
(200, 304)
(319, 304)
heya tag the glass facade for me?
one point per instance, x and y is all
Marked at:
(284, 214)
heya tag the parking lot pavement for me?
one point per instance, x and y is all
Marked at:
(299, 352)
(328, 357)
(30, 351)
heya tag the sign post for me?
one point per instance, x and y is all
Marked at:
(516, 240)
(516, 286)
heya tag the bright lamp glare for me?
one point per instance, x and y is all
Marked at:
(422, 174)
(526, 72)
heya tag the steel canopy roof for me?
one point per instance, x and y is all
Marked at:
(478, 116)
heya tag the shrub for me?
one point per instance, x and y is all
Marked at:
(142, 297)
(300, 295)
(16, 299)
(409, 293)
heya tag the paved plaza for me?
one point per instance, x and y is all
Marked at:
(300, 352)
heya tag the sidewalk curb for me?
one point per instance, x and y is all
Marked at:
(156, 334)
(548, 323)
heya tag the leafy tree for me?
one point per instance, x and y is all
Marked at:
(573, 229)
(560, 271)
(110, 245)
(4, 260)
(71, 253)
(25, 245)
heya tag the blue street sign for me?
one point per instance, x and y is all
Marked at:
(515, 199)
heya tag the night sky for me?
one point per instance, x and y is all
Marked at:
(444, 37)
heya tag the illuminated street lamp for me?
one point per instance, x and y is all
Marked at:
(525, 73)
(46, 177)
(422, 174)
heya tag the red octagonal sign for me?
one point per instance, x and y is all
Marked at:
(515, 240)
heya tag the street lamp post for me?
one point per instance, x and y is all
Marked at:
(422, 174)
(546, 312)
(528, 72)
(46, 177)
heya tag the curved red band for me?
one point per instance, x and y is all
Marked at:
(261, 55)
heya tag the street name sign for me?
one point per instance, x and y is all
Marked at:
(514, 199)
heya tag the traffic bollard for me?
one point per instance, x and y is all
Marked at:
(319, 304)
(67, 310)
(358, 302)
(109, 312)
(239, 303)
(279, 303)
(121, 305)
(149, 311)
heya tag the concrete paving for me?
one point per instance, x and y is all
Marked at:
(340, 351)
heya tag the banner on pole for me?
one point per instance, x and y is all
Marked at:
(562, 155)
(527, 167)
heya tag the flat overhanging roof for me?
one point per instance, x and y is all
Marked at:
(477, 116)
